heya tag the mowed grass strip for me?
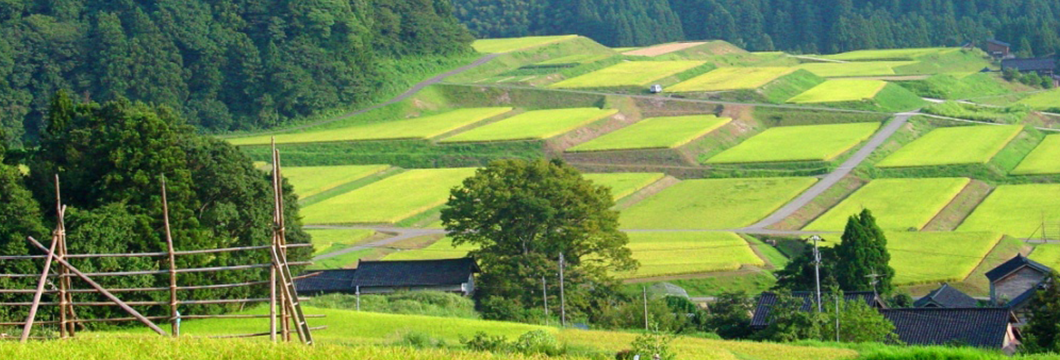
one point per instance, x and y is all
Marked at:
(533, 125)
(492, 46)
(897, 204)
(655, 133)
(389, 200)
(312, 180)
(733, 78)
(630, 73)
(1044, 101)
(1018, 211)
(441, 249)
(798, 143)
(872, 68)
(840, 91)
(416, 128)
(325, 240)
(677, 253)
(625, 184)
(953, 145)
(1047, 254)
(1044, 160)
(714, 204)
(933, 257)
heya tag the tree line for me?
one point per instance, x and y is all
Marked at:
(223, 65)
(803, 26)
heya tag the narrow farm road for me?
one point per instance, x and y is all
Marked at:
(831, 179)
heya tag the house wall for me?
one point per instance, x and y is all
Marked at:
(1017, 283)
(994, 48)
(386, 290)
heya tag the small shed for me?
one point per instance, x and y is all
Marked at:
(946, 297)
(377, 277)
(998, 49)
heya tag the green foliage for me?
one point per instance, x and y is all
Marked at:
(536, 342)
(944, 86)
(788, 323)
(730, 315)
(22, 218)
(862, 253)
(409, 303)
(858, 322)
(1013, 114)
(799, 274)
(654, 345)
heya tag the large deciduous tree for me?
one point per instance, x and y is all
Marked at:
(1042, 334)
(862, 257)
(522, 215)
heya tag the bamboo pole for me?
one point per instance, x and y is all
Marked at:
(287, 307)
(173, 321)
(322, 327)
(273, 269)
(180, 288)
(103, 291)
(64, 283)
(40, 291)
(154, 254)
(146, 303)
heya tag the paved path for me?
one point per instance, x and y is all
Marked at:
(821, 186)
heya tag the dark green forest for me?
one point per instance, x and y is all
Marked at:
(223, 65)
(803, 26)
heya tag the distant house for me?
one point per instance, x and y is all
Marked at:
(946, 297)
(1045, 67)
(375, 277)
(1014, 283)
(979, 327)
(998, 49)
(767, 300)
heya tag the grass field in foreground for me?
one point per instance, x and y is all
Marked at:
(1044, 100)
(490, 46)
(655, 133)
(798, 143)
(871, 68)
(932, 257)
(840, 91)
(625, 184)
(897, 204)
(888, 54)
(1047, 254)
(630, 73)
(953, 145)
(325, 240)
(312, 180)
(734, 78)
(1045, 159)
(538, 124)
(416, 128)
(714, 204)
(676, 253)
(1018, 211)
(389, 200)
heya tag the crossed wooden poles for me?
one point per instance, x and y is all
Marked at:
(280, 275)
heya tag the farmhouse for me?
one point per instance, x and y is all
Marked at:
(946, 297)
(767, 299)
(377, 277)
(1045, 67)
(998, 49)
(979, 327)
(1014, 283)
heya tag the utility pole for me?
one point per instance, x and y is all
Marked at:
(875, 280)
(544, 295)
(817, 268)
(644, 291)
(562, 299)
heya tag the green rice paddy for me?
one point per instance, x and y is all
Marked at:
(389, 200)
(625, 184)
(416, 128)
(832, 91)
(629, 73)
(655, 133)
(733, 78)
(490, 46)
(953, 145)
(1018, 211)
(798, 143)
(873, 68)
(1044, 101)
(1045, 159)
(897, 204)
(934, 257)
(441, 249)
(888, 54)
(533, 125)
(714, 203)
(1047, 254)
(327, 240)
(312, 180)
(676, 253)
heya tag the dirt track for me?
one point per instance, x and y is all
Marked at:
(663, 49)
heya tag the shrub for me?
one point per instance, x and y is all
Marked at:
(484, 342)
(420, 340)
(654, 343)
(538, 342)
(407, 303)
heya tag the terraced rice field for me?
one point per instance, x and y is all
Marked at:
(655, 133)
(389, 200)
(625, 184)
(676, 253)
(417, 128)
(953, 145)
(833, 91)
(533, 125)
(626, 74)
(442, 249)
(933, 257)
(897, 204)
(798, 143)
(312, 180)
(734, 78)
(714, 203)
(490, 46)
(1047, 254)
(663, 49)
(574, 59)
(1018, 211)
(873, 68)
(888, 54)
(1044, 100)
(1045, 159)
(325, 240)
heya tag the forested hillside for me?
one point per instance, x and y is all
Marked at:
(226, 64)
(807, 26)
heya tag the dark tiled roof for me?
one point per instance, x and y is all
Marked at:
(948, 297)
(1029, 64)
(997, 42)
(767, 299)
(980, 327)
(1015, 264)
(390, 274)
(415, 272)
